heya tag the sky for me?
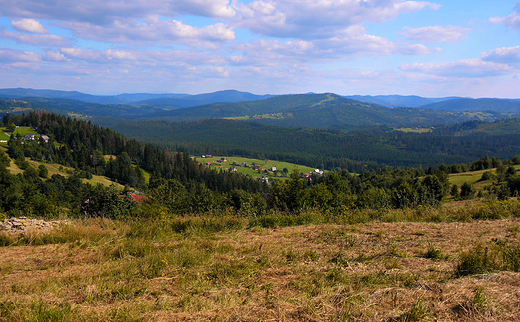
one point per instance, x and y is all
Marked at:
(348, 47)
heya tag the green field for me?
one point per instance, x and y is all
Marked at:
(55, 168)
(273, 116)
(3, 136)
(265, 164)
(414, 130)
(23, 130)
(473, 178)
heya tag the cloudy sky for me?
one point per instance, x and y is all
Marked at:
(368, 47)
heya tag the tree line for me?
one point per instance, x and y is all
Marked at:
(179, 185)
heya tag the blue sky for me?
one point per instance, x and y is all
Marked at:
(366, 47)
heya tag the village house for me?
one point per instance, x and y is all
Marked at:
(264, 179)
(29, 136)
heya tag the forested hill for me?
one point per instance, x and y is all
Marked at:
(62, 106)
(481, 104)
(219, 110)
(201, 99)
(83, 146)
(400, 100)
(324, 111)
(315, 111)
(354, 151)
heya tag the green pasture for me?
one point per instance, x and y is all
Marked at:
(273, 116)
(3, 136)
(23, 130)
(54, 168)
(413, 130)
(265, 164)
(473, 178)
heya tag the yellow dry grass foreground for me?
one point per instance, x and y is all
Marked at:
(101, 270)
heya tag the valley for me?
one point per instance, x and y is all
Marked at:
(228, 218)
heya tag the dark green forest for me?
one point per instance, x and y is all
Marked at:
(179, 185)
(329, 149)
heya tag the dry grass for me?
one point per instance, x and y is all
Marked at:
(101, 270)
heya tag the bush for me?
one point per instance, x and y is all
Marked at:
(466, 191)
(43, 172)
(102, 201)
(488, 175)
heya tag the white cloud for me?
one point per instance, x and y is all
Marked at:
(37, 40)
(307, 19)
(29, 25)
(95, 56)
(432, 34)
(468, 68)
(417, 49)
(157, 59)
(17, 56)
(154, 30)
(513, 20)
(349, 43)
(53, 56)
(105, 11)
(506, 55)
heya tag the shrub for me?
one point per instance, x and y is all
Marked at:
(488, 175)
(466, 191)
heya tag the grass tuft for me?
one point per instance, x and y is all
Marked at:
(418, 311)
(433, 253)
(497, 256)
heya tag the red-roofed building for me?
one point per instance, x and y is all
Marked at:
(139, 198)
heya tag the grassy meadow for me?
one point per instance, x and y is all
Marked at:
(265, 164)
(474, 178)
(54, 168)
(459, 262)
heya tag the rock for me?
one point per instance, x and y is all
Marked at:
(23, 225)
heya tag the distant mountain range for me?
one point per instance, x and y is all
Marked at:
(229, 96)
(82, 97)
(318, 111)
(399, 100)
(172, 100)
(473, 105)
(168, 101)
(298, 110)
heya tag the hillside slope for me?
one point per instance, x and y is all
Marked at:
(202, 99)
(312, 110)
(473, 105)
